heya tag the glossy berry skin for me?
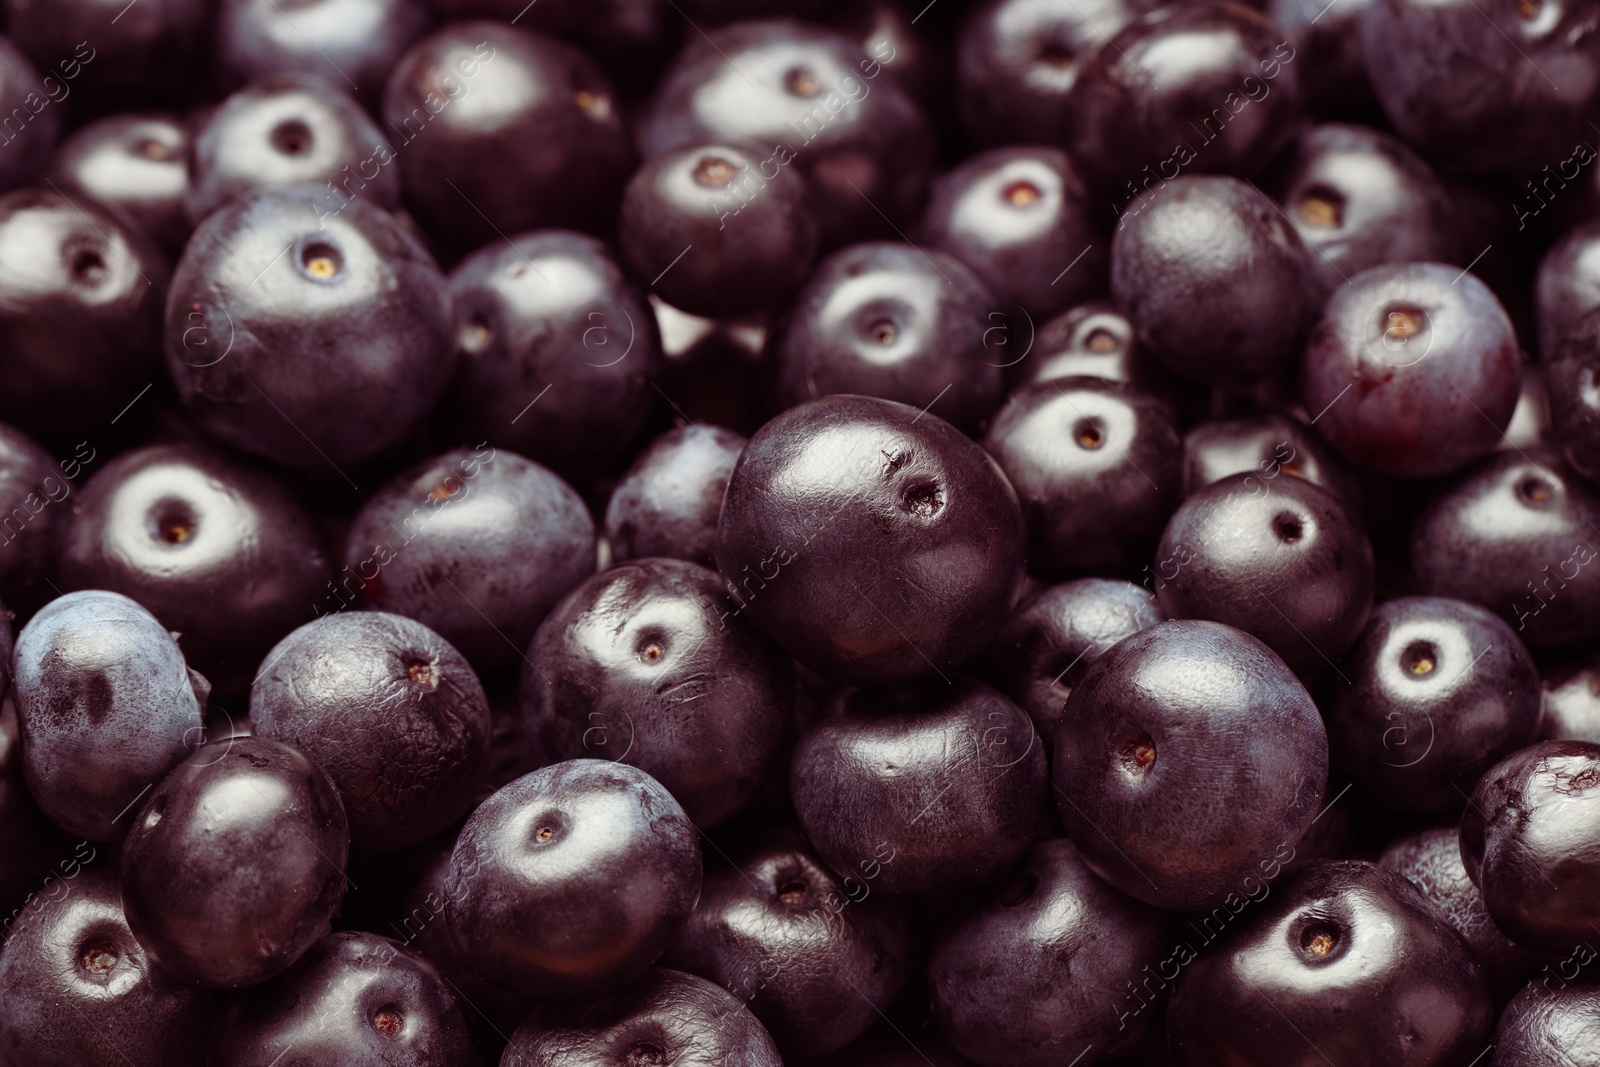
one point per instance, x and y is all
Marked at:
(1571, 704)
(1360, 966)
(32, 486)
(1329, 51)
(1092, 340)
(86, 47)
(669, 500)
(322, 357)
(79, 989)
(1431, 861)
(1281, 559)
(107, 706)
(527, 133)
(1056, 635)
(1514, 535)
(392, 713)
(1226, 310)
(1019, 217)
(80, 329)
(136, 163)
(848, 513)
(477, 545)
(718, 233)
(1530, 839)
(235, 864)
(1431, 365)
(1546, 1023)
(355, 998)
(1512, 111)
(1266, 445)
(1567, 286)
(219, 551)
(1185, 795)
(1360, 198)
(919, 787)
(283, 130)
(1035, 972)
(642, 663)
(814, 958)
(1440, 689)
(667, 1016)
(811, 98)
(1017, 61)
(552, 310)
(571, 880)
(1574, 406)
(1096, 466)
(29, 147)
(1206, 87)
(352, 43)
(893, 321)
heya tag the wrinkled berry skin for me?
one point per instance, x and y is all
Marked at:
(135, 163)
(235, 864)
(1017, 61)
(1514, 534)
(393, 714)
(79, 989)
(1439, 690)
(1208, 87)
(1549, 1023)
(107, 707)
(355, 998)
(80, 328)
(1096, 466)
(325, 355)
(890, 320)
(32, 486)
(572, 880)
(715, 232)
(497, 130)
(219, 551)
(819, 961)
(1226, 310)
(1431, 861)
(1056, 635)
(669, 500)
(1360, 198)
(1280, 558)
(552, 311)
(282, 130)
(1360, 967)
(874, 543)
(1189, 796)
(1430, 364)
(1020, 218)
(664, 1015)
(352, 43)
(912, 789)
(1036, 970)
(478, 545)
(1473, 98)
(640, 664)
(810, 98)
(1530, 839)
